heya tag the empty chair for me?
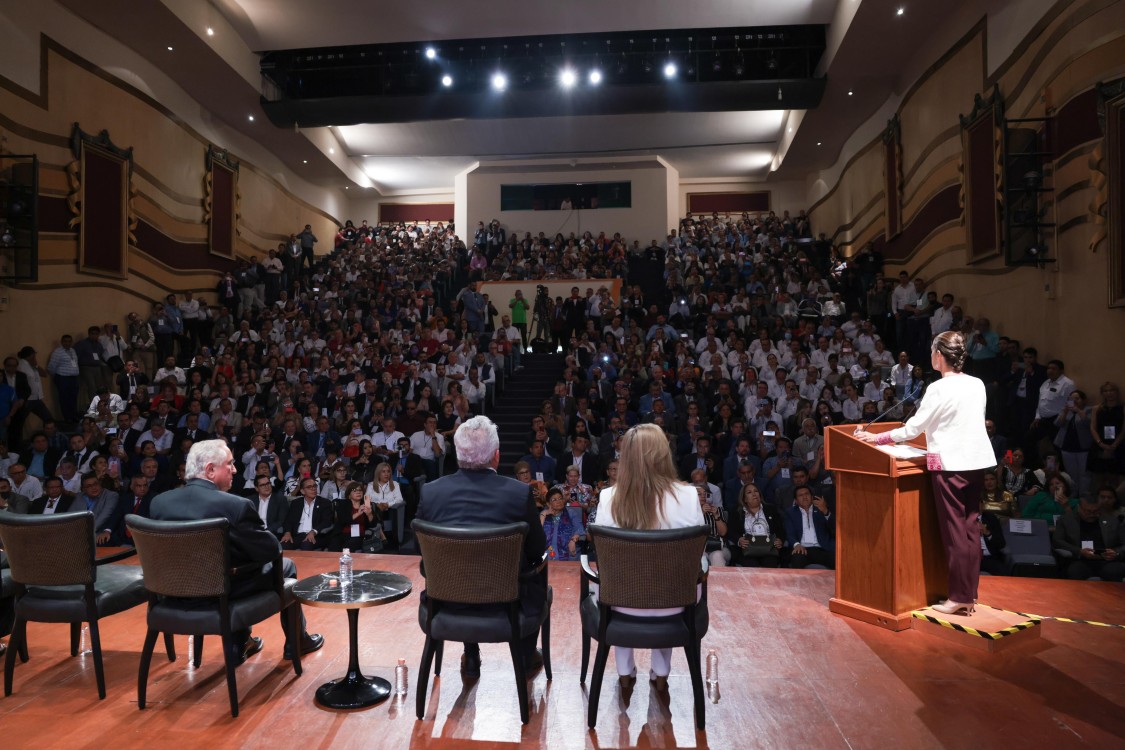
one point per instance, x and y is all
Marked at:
(56, 578)
(1030, 554)
(187, 573)
(646, 570)
(473, 595)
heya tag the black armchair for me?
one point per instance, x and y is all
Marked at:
(473, 595)
(645, 570)
(56, 578)
(187, 573)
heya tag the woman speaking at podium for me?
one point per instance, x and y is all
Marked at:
(957, 453)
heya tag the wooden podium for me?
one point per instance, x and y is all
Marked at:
(889, 557)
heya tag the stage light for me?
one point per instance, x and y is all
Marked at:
(431, 53)
(670, 70)
(499, 81)
(304, 161)
(595, 77)
(818, 143)
(169, 48)
(447, 81)
(251, 118)
(850, 92)
(567, 78)
(210, 31)
(900, 11)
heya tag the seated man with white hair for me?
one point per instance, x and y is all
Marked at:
(477, 496)
(210, 471)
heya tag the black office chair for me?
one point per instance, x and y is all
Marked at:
(645, 570)
(472, 595)
(187, 573)
(8, 602)
(56, 578)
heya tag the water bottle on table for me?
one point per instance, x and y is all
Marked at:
(346, 568)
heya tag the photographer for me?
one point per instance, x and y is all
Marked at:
(714, 517)
(519, 307)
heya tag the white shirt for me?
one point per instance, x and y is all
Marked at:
(305, 526)
(952, 417)
(941, 320)
(382, 440)
(264, 506)
(30, 488)
(1053, 395)
(422, 444)
(808, 529)
(388, 493)
(33, 380)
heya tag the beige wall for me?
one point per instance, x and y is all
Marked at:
(168, 176)
(1062, 310)
(647, 220)
(785, 195)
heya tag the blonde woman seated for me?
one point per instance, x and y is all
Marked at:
(647, 495)
(384, 493)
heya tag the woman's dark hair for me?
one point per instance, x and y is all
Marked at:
(951, 346)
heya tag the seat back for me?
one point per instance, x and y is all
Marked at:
(471, 565)
(1038, 542)
(53, 550)
(184, 559)
(648, 569)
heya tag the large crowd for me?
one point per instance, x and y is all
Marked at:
(339, 378)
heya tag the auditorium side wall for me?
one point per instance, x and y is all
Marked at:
(1062, 309)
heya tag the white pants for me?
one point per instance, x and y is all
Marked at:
(626, 665)
(719, 557)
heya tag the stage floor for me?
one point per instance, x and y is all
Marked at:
(792, 675)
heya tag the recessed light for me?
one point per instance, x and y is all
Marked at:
(900, 11)
(250, 118)
(431, 53)
(447, 81)
(304, 161)
(331, 150)
(850, 92)
(595, 77)
(499, 81)
(818, 143)
(210, 31)
(567, 78)
(790, 130)
(169, 47)
(669, 70)
(345, 187)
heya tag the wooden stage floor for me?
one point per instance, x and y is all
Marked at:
(792, 675)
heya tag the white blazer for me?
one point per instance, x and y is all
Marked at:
(952, 416)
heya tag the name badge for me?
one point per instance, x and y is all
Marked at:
(355, 530)
(811, 455)
(1088, 544)
(785, 473)
(95, 356)
(538, 476)
(1110, 432)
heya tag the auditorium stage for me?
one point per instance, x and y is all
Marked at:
(792, 675)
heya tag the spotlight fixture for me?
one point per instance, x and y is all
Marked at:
(447, 80)
(900, 11)
(499, 81)
(331, 150)
(670, 70)
(210, 31)
(169, 47)
(818, 143)
(850, 92)
(304, 161)
(567, 78)
(595, 77)
(431, 53)
(250, 118)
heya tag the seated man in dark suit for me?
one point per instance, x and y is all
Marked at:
(54, 500)
(477, 496)
(210, 472)
(11, 502)
(102, 503)
(810, 531)
(40, 458)
(272, 506)
(702, 459)
(1095, 540)
(311, 519)
(138, 501)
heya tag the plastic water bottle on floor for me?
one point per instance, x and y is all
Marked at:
(712, 668)
(346, 568)
(402, 678)
(191, 652)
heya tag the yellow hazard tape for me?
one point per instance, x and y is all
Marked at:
(993, 635)
(1056, 619)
